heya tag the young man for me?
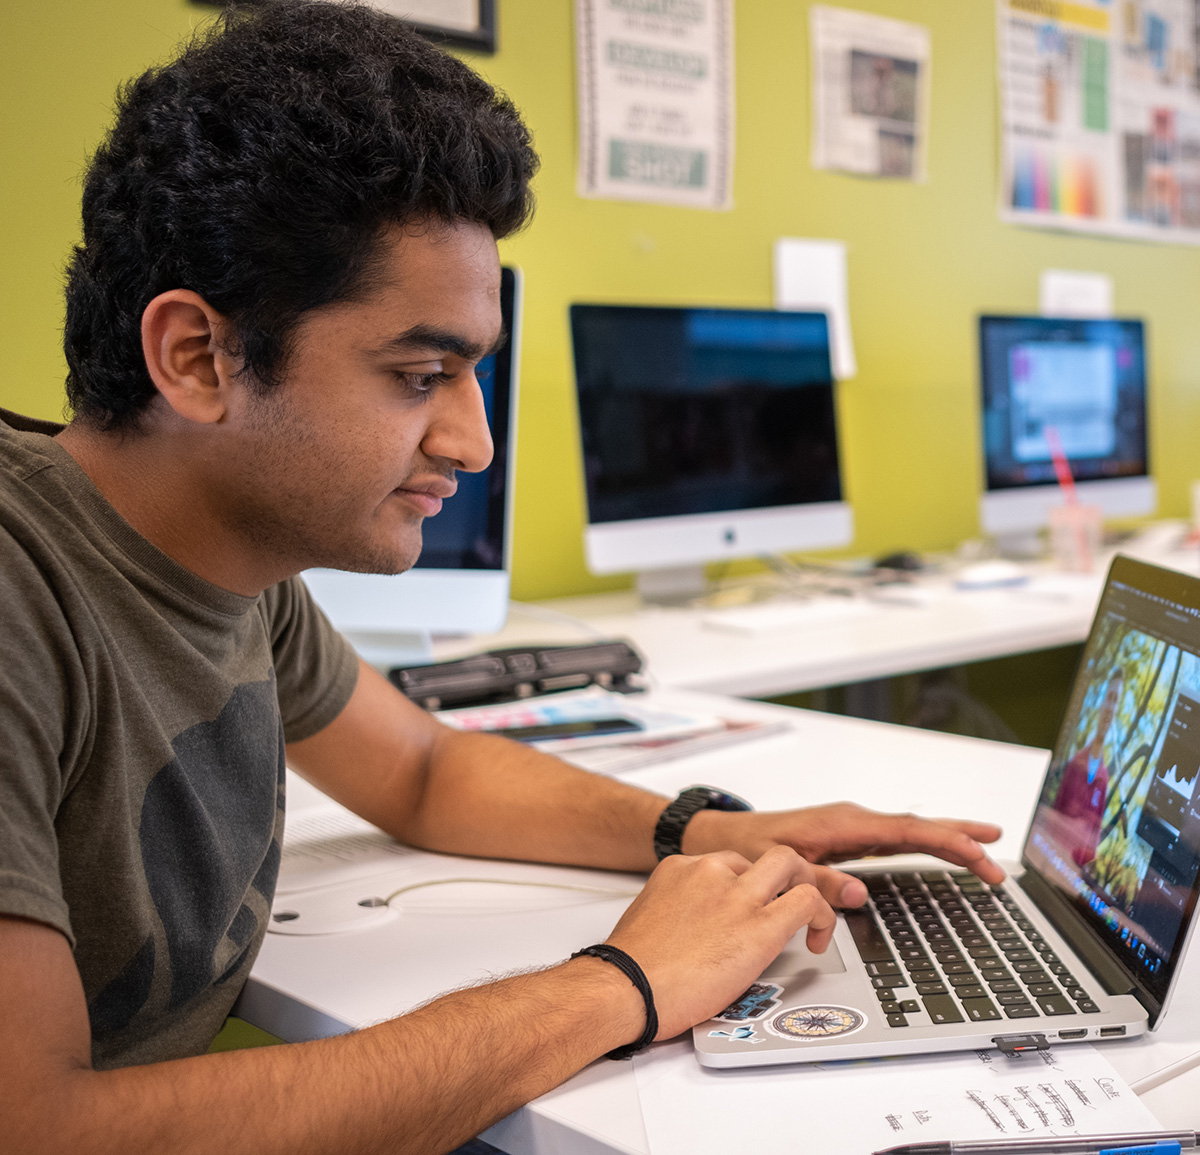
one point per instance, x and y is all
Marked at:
(287, 277)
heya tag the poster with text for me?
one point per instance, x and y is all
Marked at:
(870, 93)
(1100, 113)
(656, 100)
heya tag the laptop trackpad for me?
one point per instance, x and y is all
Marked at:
(797, 958)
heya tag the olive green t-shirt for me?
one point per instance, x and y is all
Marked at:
(143, 715)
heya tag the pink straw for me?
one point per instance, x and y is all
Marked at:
(1066, 482)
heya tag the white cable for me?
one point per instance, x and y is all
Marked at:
(606, 890)
(549, 615)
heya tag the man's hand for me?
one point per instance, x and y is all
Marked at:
(704, 928)
(841, 831)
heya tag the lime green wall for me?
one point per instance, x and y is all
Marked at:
(924, 259)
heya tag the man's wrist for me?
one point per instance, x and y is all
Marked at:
(709, 830)
(626, 1017)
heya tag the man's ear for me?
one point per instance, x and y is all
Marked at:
(183, 343)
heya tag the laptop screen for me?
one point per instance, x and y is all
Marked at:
(1117, 827)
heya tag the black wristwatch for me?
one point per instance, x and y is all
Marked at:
(668, 833)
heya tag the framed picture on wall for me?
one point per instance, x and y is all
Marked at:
(463, 23)
(466, 23)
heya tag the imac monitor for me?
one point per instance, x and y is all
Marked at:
(708, 434)
(1085, 378)
(460, 583)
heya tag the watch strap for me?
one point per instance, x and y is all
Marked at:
(668, 831)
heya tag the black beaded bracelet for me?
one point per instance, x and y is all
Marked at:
(635, 974)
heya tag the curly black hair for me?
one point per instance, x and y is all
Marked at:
(260, 168)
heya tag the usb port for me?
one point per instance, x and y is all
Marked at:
(1108, 1032)
(1080, 1033)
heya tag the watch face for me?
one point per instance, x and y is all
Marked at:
(720, 800)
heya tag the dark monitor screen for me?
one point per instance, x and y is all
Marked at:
(469, 532)
(1085, 378)
(686, 411)
(1117, 828)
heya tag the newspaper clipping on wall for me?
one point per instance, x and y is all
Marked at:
(870, 93)
(656, 100)
(1100, 111)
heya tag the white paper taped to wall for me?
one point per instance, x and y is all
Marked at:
(811, 274)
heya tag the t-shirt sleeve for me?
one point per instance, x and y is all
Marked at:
(316, 669)
(41, 687)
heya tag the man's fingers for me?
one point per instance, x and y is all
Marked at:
(806, 906)
(777, 870)
(799, 888)
(839, 888)
(954, 841)
(980, 831)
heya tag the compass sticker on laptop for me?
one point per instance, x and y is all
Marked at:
(824, 1021)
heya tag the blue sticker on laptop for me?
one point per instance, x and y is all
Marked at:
(737, 1035)
(757, 1002)
(820, 1021)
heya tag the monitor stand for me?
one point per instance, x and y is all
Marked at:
(674, 586)
(1022, 545)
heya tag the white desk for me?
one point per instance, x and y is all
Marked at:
(953, 628)
(305, 987)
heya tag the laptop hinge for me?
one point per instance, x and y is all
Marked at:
(1084, 941)
(1015, 1044)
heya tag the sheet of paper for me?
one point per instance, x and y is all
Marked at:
(811, 274)
(1064, 293)
(656, 100)
(854, 1108)
(325, 845)
(870, 93)
(1100, 113)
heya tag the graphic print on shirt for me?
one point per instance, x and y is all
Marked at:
(209, 834)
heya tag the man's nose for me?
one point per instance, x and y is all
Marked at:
(459, 431)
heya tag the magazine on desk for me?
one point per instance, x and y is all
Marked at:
(657, 735)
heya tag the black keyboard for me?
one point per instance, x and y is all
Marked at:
(943, 944)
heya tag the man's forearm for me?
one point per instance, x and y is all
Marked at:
(423, 1083)
(490, 797)
(476, 794)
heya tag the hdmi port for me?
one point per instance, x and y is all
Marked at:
(1108, 1032)
(1077, 1034)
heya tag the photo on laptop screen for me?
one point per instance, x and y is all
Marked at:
(1117, 827)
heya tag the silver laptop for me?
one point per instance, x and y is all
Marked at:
(1086, 938)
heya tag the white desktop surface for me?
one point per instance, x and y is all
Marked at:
(951, 627)
(306, 986)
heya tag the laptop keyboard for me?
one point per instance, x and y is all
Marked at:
(943, 947)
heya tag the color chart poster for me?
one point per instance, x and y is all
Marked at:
(1100, 112)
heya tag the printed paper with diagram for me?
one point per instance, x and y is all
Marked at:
(1100, 115)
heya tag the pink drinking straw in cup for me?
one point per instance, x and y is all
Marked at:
(1062, 470)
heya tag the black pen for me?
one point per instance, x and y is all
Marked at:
(1131, 1143)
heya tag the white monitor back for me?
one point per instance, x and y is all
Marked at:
(693, 539)
(1018, 511)
(390, 618)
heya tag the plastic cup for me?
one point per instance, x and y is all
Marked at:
(1075, 536)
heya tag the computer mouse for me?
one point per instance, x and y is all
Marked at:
(983, 575)
(902, 559)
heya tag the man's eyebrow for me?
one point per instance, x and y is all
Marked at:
(440, 341)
